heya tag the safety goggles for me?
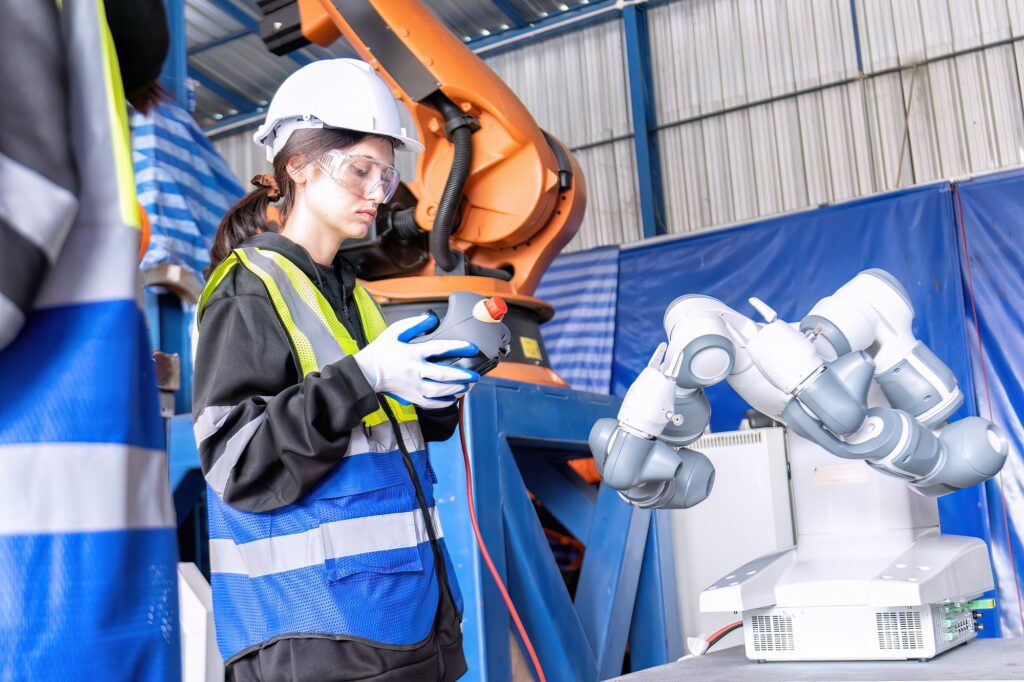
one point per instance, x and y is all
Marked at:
(360, 174)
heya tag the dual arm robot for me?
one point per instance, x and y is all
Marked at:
(813, 377)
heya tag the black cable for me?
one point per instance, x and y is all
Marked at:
(721, 634)
(460, 129)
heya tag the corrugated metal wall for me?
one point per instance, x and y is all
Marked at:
(576, 88)
(764, 106)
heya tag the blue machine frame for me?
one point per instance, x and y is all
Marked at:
(519, 437)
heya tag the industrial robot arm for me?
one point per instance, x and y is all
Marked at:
(495, 196)
(642, 454)
(815, 379)
(866, 326)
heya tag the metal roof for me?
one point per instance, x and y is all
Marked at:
(234, 73)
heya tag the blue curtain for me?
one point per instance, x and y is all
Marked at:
(992, 224)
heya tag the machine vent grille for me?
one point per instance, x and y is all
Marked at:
(716, 440)
(772, 633)
(899, 630)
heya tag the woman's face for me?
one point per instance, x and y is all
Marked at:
(341, 207)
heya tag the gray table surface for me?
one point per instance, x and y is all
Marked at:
(980, 659)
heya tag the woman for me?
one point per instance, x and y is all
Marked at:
(327, 560)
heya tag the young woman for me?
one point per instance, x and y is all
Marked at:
(327, 559)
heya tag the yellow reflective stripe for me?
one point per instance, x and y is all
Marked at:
(369, 313)
(372, 319)
(221, 271)
(303, 348)
(312, 297)
(118, 113)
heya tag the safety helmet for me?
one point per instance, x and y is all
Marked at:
(333, 93)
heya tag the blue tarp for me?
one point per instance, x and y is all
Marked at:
(183, 184)
(993, 228)
(582, 287)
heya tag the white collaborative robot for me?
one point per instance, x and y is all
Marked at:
(870, 577)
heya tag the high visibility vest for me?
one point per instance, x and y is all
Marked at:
(88, 538)
(353, 558)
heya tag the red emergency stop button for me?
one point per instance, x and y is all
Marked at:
(496, 307)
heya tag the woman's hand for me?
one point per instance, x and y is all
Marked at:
(401, 369)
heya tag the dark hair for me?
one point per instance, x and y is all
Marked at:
(249, 215)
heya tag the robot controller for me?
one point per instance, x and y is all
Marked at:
(476, 319)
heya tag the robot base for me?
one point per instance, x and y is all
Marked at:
(899, 601)
(828, 633)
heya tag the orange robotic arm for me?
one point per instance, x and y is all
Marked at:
(499, 196)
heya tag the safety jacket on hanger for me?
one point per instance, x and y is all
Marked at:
(355, 558)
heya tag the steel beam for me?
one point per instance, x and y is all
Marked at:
(229, 95)
(512, 12)
(217, 42)
(174, 72)
(645, 141)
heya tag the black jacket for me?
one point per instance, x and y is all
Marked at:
(244, 358)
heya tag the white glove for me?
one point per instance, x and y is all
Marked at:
(401, 369)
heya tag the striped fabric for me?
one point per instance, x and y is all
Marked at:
(583, 288)
(183, 184)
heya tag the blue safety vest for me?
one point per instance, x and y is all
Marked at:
(353, 559)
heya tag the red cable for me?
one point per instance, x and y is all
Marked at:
(487, 555)
(718, 633)
(988, 397)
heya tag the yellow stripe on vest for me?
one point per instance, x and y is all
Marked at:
(304, 349)
(370, 315)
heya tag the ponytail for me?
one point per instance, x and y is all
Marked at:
(243, 220)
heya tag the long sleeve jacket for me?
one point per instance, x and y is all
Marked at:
(246, 374)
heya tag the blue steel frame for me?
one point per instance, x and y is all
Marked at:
(645, 139)
(519, 437)
(174, 72)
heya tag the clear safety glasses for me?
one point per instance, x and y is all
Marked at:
(360, 174)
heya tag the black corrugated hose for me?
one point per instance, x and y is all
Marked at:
(461, 135)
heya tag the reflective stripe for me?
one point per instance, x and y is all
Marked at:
(99, 117)
(381, 438)
(84, 271)
(209, 420)
(326, 348)
(117, 110)
(82, 487)
(301, 550)
(303, 347)
(11, 320)
(36, 207)
(218, 475)
(219, 273)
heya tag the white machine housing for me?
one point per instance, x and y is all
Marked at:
(870, 578)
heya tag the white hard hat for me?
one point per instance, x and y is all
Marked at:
(333, 93)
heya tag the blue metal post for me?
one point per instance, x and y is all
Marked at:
(641, 99)
(656, 634)
(856, 36)
(607, 588)
(174, 73)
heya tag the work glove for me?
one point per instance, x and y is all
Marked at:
(402, 370)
